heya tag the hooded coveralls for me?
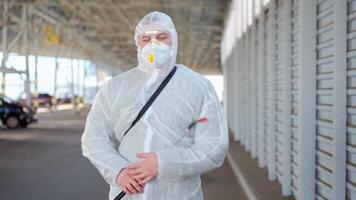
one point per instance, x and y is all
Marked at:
(183, 154)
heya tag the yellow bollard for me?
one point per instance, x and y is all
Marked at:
(54, 104)
(78, 104)
(35, 104)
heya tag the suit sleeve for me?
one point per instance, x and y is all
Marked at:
(209, 148)
(98, 140)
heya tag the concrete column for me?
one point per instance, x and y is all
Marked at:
(36, 74)
(84, 78)
(74, 102)
(4, 41)
(26, 52)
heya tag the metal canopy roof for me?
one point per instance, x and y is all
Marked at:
(103, 30)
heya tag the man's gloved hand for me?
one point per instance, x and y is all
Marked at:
(128, 184)
(144, 170)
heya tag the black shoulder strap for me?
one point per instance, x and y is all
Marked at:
(152, 98)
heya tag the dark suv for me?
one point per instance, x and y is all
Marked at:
(15, 115)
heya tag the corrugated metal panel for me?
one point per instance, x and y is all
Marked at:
(245, 89)
(229, 101)
(254, 77)
(279, 92)
(261, 90)
(265, 85)
(249, 84)
(239, 90)
(271, 141)
(248, 91)
(324, 106)
(351, 102)
(267, 89)
(231, 97)
(240, 86)
(235, 92)
(230, 62)
(295, 92)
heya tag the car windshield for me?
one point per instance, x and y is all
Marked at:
(43, 95)
(6, 99)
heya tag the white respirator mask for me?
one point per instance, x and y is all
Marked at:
(156, 54)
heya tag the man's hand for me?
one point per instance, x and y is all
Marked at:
(128, 184)
(144, 170)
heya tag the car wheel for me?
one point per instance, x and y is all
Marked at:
(12, 122)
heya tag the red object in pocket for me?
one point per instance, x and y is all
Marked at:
(203, 119)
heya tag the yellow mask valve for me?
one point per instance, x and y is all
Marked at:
(151, 58)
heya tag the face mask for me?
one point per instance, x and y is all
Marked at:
(156, 54)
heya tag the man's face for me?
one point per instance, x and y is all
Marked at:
(161, 36)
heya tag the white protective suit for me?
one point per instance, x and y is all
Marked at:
(183, 154)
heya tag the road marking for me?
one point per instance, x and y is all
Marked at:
(247, 189)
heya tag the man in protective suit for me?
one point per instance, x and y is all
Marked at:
(163, 156)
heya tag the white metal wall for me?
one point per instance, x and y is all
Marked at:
(324, 101)
(351, 100)
(264, 89)
(260, 46)
(279, 83)
(271, 62)
(295, 93)
(254, 98)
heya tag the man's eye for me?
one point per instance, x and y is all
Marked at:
(161, 37)
(145, 39)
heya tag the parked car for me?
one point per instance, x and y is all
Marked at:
(40, 100)
(66, 98)
(44, 99)
(15, 115)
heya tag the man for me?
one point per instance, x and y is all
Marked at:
(164, 154)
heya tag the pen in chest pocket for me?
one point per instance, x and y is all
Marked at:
(201, 120)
